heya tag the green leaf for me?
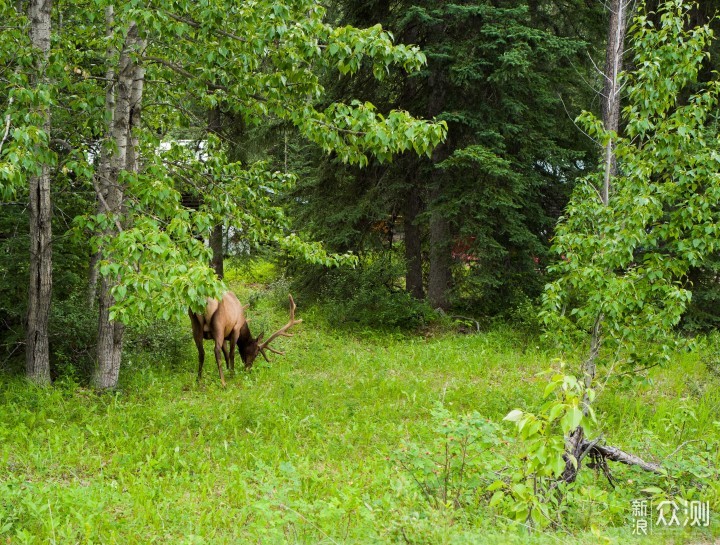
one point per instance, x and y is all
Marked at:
(514, 415)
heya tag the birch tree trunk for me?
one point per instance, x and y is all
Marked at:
(611, 88)
(611, 122)
(37, 354)
(100, 180)
(127, 109)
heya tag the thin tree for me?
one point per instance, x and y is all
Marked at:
(40, 285)
(126, 115)
(610, 100)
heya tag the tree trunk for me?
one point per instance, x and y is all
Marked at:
(439, 276)
(413, 243)
(101, 179)
(576, 446)
(37, 355)
(216, 236)
(611, 88)
(109, 342)
(217, 247)
(611, 122)
(127, 110)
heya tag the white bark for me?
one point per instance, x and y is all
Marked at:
(611, 87)
(126, 115)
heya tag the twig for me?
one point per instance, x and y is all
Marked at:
(105, 204)
(183, 72)
(195, 24)
(7, 130)
(681, 445)
(573, 120)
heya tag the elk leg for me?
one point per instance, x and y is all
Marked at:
(197, 330)
(201, 357)
(233, 343)
(218, 351)
(225, 353)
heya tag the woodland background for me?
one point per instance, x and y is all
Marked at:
(459, 195)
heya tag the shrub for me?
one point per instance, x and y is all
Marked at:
(462, 460)
(370, 294)
(162, 341)
(73, 334)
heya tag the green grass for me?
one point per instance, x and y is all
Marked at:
(302, 450)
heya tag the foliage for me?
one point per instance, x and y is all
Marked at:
(702, 313)
(73, 333)
(367, 295)
(266, 68)
(501, 77)
(461, 462)
(627, 262)
(71, 328)
(533, 494)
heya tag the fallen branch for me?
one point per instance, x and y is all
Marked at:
(577, 447)
(616, 455)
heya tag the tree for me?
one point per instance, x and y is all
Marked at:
(40, 285)
(625, 260)
(498, 183)
(123, 107)
(152, 262)
(26, 161)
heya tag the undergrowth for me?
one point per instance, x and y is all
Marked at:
(352, 437)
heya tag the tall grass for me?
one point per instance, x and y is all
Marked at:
(302, 450)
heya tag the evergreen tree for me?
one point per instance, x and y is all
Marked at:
(507, 78)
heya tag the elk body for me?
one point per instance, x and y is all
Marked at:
(225, 320)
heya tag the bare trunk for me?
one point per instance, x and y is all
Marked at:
(101, 180)
(127, 109)
(109, 342)
(611, 122)
(611, 88)
(37, 355)
(413, 244)
(439, 275)
(576, 446)
(216, 244)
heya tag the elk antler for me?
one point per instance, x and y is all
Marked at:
(282, 332)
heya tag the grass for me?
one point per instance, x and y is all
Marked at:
(304, 450)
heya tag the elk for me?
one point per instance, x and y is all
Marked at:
(225, 320)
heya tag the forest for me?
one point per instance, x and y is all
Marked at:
(465, 254)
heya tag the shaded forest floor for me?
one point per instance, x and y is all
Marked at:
(305, 450)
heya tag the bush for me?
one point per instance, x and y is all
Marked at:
(168, 341)
(703, 312)
(370, 294)
(462, 460)
(73, 335)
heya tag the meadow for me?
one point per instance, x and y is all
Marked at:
(324, 444)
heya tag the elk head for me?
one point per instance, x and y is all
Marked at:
(250, 349)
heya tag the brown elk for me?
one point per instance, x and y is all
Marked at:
(225, 320)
